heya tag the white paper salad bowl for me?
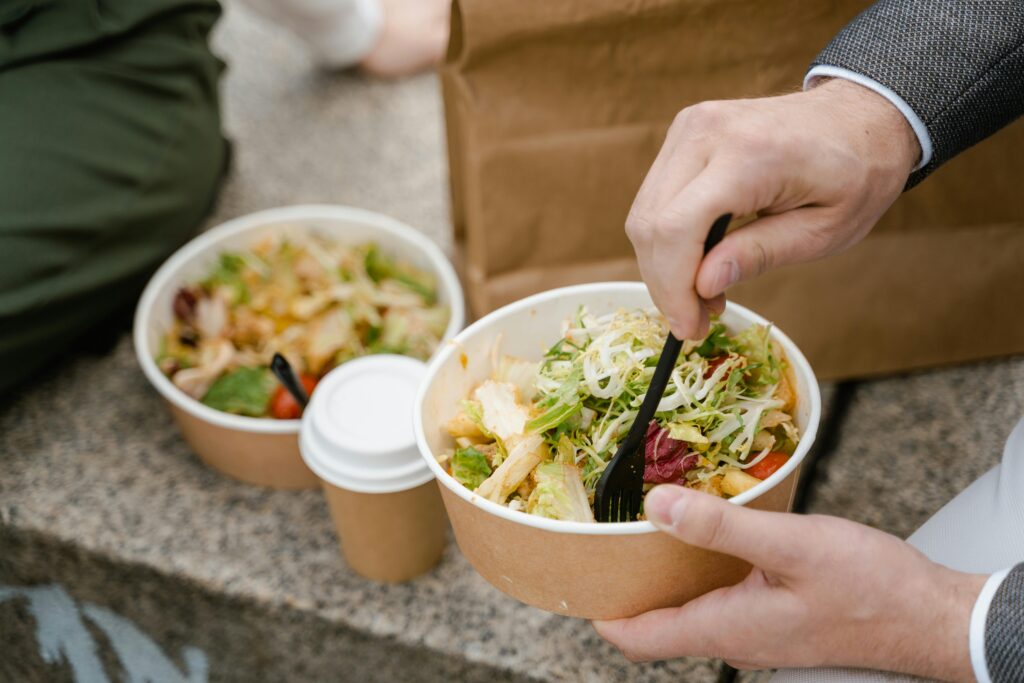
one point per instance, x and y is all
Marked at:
(594, 571)
(265, 451)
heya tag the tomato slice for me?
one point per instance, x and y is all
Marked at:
(768, 465)
(283, 406)
(713, 364)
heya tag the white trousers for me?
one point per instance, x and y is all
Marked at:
(980, 531)
(339, 33)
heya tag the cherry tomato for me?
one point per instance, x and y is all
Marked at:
(713, 364)
(768, 465)
(283, 406)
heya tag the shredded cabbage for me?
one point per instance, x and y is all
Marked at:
(589, 385)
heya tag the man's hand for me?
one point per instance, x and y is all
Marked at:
(819, 168)
(823, 591)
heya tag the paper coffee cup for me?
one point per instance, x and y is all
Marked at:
(357, 436)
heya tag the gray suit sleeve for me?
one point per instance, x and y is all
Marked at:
(1004, 630)
(959, 64)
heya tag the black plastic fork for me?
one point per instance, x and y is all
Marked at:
(620, 490)
(285, 374)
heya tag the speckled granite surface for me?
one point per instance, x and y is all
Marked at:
(103, 497)
(302, 135)
(114, 480)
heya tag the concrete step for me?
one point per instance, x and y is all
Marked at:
(103, 505)
(114, 533)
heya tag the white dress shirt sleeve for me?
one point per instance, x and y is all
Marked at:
(977, 629)
(338, 33)
(920, 130)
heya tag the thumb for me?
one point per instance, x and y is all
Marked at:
(770, 540)
(778, 240)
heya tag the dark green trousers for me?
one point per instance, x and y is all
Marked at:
(111, 154)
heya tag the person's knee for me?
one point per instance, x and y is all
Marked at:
(87, 211)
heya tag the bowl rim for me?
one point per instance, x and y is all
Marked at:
(266, 218)
(793, 355)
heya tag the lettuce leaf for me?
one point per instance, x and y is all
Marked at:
(686, 431)
(559, 406)
(716, 343)
(470, 467)
(228, 273)
(755, 343)
(559, 494)
(245, 391)
(380, 267)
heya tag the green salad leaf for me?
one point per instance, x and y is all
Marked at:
(559, 494)
(228, 273)
(245, 391)
(380, 267)
(686, 431)
(470, 467)
(763, 366)
(716, 343)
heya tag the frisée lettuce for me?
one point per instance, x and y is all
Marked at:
(536, 436)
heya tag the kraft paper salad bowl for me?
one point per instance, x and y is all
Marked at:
(588, 570)
(257, 450)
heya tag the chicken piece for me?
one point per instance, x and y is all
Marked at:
(266, 245)
(763, 440)
(712, 486)
(307, 267)
(773, 418)
(785, 392)
(211, 316)
(214, 358)
(392, 294)
(250, 358)
(444, 460)
(521, 373)
(305, 307)
(524, 454)
(503, 415)
(736, 481)
(327, 335)
(462, 426)
(250, 328)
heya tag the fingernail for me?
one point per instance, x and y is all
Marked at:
(663, 504)
(727, 274)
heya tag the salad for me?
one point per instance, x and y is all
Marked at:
(536, 436)
(317, 302)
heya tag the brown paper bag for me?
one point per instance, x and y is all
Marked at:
(555, 111)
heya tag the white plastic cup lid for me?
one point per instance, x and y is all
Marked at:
(357, 432)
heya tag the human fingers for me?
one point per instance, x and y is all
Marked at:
(795, 236)
(676, 238)
(775, 542)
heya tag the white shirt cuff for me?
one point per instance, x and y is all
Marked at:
(979, 615)
(338, 33)
(920, 130)
(348, 34)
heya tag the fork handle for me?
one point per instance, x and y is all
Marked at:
(667, 361)
(662, 375)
